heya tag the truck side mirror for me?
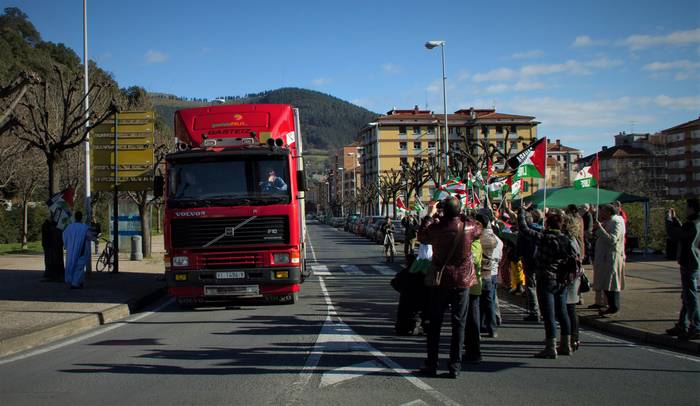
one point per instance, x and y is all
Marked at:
(158, 185)
(301, 181)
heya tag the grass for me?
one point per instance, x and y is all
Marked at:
(33, 247)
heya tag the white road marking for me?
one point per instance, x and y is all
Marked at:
(351, 270)
(313, 252)
(343, 374)
(82, 337)
(416, 402)
(321, 270)
(384, 270)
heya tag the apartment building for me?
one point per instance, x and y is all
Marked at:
(683, 158)
(401, 136)
(562, 169)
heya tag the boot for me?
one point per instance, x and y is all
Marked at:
(575, 343)
(565, 345)
(550, 349)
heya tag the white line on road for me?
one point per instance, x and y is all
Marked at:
(321, 270)
(416, 402)
(343, 374)
(351, 269)
(82, 337)
(384, 270)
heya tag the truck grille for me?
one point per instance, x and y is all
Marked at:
(231, 260)
(197, 232)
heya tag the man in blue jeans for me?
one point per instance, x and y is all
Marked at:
(688, 236)
(491, 251)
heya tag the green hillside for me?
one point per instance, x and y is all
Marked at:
(326, 121)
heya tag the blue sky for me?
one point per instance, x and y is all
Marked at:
(585, 69)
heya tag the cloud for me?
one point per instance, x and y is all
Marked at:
(391, 69)
(495, 75)
(498, 88)
(463, 75)
(321, 81)
(366, 103)
(691, 103)
(582, 41)
(676, 38)
(521, 86)
(685, 69)
(153, 56)
(535, 53)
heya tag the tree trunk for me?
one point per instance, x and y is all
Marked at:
(53, 160)
(145, 215)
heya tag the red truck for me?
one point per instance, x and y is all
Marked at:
(234, 205)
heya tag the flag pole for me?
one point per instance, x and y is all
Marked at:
(545, 175)
(597, 189)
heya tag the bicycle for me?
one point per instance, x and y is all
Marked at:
(106, 258)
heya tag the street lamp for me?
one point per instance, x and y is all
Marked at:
(441, 44)
(342, 191)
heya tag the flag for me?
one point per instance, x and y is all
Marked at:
(440, 193)
(595, 168)
(454, 186)
(530, 162)
(59, 207)
(497, 185)
(470, 180)
(417, 206)
(489, 168)
(516, 185)
(399, 203)
(478, 178)
(473, 202)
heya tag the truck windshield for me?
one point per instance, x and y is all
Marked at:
(239, 181)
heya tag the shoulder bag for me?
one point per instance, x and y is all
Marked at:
(434, 276)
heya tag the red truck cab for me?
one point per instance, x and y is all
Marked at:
(234, 205)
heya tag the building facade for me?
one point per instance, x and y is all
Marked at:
(402, 136)
(561, 164)
(683, 158)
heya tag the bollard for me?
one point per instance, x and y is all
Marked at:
(136, 252)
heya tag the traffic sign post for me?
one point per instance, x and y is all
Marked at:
(122, 159)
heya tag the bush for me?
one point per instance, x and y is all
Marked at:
(11, 224)
(657, 221)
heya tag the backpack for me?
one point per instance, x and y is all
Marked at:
(571, 268)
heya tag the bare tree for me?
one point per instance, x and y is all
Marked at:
(30, 175)
(11, 95)
(415, 176)
(51, 118)
(391, 183)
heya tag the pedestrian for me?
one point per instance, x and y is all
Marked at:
(587, 218)
(472, 336)
(573, 228)
(609, 261)
(688, 236)
(409, 284)
(52, 243)
(75, 238)
(554, 251)
(388, 233)
(410, 226)
(491, 251)
(449, 279)
(526, 249)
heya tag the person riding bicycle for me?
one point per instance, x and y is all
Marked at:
(388, 231)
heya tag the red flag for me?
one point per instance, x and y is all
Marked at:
(595, 169)
(489, 167)
(68, 195)
(399, 203)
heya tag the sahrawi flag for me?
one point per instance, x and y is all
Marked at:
(498, 185)
(529, 163)
(588, 176)
(400, 204)
(516, 185)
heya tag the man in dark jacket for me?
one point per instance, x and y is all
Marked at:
(52, 243)
(688, 236)
(459, 275)
(526, 247)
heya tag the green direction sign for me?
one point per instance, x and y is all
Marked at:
(134, 155)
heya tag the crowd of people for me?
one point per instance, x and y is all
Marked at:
(462, 256)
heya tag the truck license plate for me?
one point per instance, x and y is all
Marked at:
(235, 290)
(230, 275)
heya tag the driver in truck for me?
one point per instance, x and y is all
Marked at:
(273, 183)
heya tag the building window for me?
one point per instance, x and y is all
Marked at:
(499, 129)
(416, 130)
(430, 130)
(513, 129)
(431, 144)
(402, 146)
(402, 129)
(416, 145)
(404, 160)
(499, 145)
(485, 131)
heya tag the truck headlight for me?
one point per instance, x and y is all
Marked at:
(181, 261)
(280, 258)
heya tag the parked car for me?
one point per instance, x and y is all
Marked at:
(371, 228)
(398, 232)
(351, 218)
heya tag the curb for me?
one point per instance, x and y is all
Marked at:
(70, 328)
(625, 331)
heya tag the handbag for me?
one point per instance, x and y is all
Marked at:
(434, 276)
(585, 285)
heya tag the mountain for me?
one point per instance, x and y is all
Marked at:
(327, 122)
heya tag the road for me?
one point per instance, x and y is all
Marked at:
(335, 347)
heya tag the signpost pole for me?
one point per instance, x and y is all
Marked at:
(115, 221)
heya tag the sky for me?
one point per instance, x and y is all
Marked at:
(585, 69)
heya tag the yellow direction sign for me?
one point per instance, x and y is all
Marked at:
(134, 152)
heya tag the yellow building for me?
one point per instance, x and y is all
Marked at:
(402, 135)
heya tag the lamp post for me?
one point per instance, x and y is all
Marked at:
(441, 44)
(88, 195)
(342, 191)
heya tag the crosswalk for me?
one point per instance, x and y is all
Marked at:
(353, 270)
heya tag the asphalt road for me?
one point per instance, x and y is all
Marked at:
(335, 347)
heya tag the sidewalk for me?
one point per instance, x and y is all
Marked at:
(649, 305)
(34, 312)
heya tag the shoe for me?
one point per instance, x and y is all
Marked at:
(596, 306)
(427, 371)
(471, 358)
(575, 343)
(452, 374)
(675, 331)
(492, 335)
(564, 346)
(532, 317)
(695, 335)
(499, 321)
(549, 351)
(606, 312)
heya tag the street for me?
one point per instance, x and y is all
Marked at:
(337, 346)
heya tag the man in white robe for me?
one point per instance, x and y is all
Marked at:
(75, 239)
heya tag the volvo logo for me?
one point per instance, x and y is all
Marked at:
(228, 231)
